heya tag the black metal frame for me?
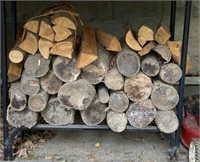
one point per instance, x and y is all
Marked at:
(9, 138)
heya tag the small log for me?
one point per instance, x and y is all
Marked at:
(57, 114)
(38, 102)
(65, 69)
(15, 71)
(114, 80)
(110, 42)
(32, 25)
(128, 61)
(77, 95)
(170, 73)
(26, 117)
(17, 98)
(138, 88)
(16, 55)
(166, 121)
(164, 52)
(162, 34)
(46, 30)
(88, 53)
(118, 101)
(61, 33)
(44, 46)
(36, 65)
(30, 43)
(103, 93)
(141, 114)
(131, 39)
(116, 121)
(29, 84)
(95, 113)
(50, 83)
(150, 66)
(147, 48)
(145, 34)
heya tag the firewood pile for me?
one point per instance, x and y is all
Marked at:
(58, 67)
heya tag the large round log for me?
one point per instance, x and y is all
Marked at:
(29, 85)
(36, 66)
(95, 113)
(140, 114)
(138, 88)
(38, 102)
(167, 121)
(117, 122)
(78, 94)
(103, 93)
(17, 98)
(170, 73)
(57, 114)
(25, 117)
(65, 69)
(114, 80)
(118, 101)
(50, 83)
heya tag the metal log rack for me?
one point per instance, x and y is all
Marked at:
(9, 137)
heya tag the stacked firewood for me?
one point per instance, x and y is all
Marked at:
(126, 81)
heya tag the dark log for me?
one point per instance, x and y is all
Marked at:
(164, 52)
(103, 93)
(15, 71)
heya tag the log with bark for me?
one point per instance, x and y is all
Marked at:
(15, 71)
(103, 93)
(162, 34)
(164, 52)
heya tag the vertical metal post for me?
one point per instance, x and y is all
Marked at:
(14, 20)
(172, 19)
(183, 64)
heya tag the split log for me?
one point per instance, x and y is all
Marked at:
(128, 61)
(116, 121)
(88, 53)
(76, 95)
(103, 93)
(15, 71)
(38, 102)
(44, 46)
(141, 114)
(30, 43)
(166, 121)
(131, 39)
(145, 34)
(61, 33)
(147, 48)
(29, 84)
(162, 34)
(164, 52)
(118, 101)
(138, 88)
(114, 80)
(163, 96)
(32, 25)
(36, 66)
(150, 66)
(110, 42)
(65, 69)
(16, 55)
(95, 113)
(57, 114)
(46, 30)
(17, 98)
(50, 83)
(18, 119)
(170, 73)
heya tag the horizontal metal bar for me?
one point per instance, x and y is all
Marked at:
(191, 81)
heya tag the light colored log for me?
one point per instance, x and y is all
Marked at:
(145, 34)
(32, 25)
(44, 46)
(45, 30)
(147, 48)
(164, 52)
(16, 55)
(15, 71)
(103, 93)
(61, 33)
(162, 34)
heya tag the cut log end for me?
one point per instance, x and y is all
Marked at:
(145, 34)
(162, 34)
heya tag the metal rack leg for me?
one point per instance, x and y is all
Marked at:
(14, 20)
(172, 19)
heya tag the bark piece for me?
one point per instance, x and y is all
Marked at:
(166, 121)
(116, 121)
(44, 46)
(147, 48)
(46, 30)
(16, 55)
(57, 114)
(88, 53)
(32, 25)
(103, 93)
(138, 88)
(50, 83)
(162, 34)
(29, 84)
(77, 95)
(170, 73)
(141, 114)
(163, 51)
(61, 33)
(145, 34)
(95, 113)
(36, 65)
(15, 71)
(118, 101)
